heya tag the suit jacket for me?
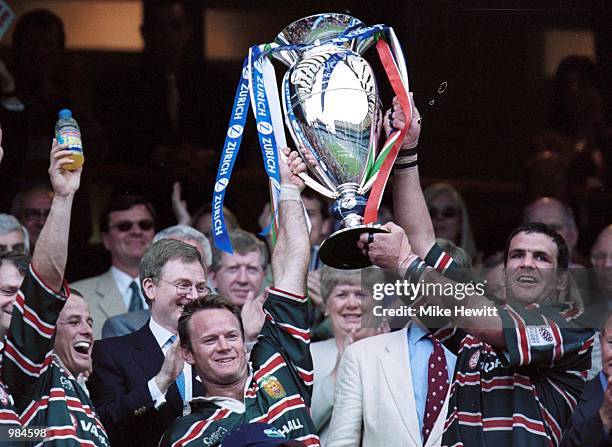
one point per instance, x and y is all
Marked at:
(585, 427)
(103, 297)
(324, 355)
(125, 323)
(374, 398)
(122, 367)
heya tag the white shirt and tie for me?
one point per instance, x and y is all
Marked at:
(127, 289)
(165, 339)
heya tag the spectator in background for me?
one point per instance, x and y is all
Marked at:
(243, 272)
(348, 302)
(129, 322)
(128, 226)
(13, 236)
(558, 216)
(190, 236)
(450, 217)
(601, 290)
(31, 206)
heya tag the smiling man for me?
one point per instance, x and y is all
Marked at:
(275, 385)
(238, 274)
(74, 335)
(128, 226)
(521, 365)
(43, 383)
(140, 379)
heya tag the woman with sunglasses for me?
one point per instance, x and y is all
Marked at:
(449, 216)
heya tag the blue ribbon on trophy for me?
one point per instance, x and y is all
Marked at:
(233, 139)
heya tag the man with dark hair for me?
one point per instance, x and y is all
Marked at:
(521, 365)
(127, 225)
(48, 344)
(140, 379)
(275, 384)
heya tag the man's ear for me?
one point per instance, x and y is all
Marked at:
(148, 287)
(187, 355)
(212, 277)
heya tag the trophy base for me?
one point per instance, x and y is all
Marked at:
(340, 250)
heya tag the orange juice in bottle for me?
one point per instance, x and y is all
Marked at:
(67, 131)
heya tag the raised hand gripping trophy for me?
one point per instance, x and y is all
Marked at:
(332, 109)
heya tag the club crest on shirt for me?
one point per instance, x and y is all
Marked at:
(273, 388)
(540, 335)
(473, 363)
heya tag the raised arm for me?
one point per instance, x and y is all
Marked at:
(29, 342)
(51, 252)
(393, 251)
(409, 207)
(292, 251)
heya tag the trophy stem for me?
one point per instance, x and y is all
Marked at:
(349, 202)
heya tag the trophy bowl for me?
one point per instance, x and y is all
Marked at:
(332, 109)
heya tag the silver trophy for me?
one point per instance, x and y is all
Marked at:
(332, 109)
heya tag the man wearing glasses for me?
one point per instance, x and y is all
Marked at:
(128, 226)
(140, 383)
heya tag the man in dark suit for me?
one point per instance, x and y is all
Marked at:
(591, 422)
(140, 383)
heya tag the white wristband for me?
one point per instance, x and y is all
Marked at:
(289, 191)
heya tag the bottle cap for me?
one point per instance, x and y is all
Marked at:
(65, 114)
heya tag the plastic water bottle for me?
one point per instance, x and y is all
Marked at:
(67, 131)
